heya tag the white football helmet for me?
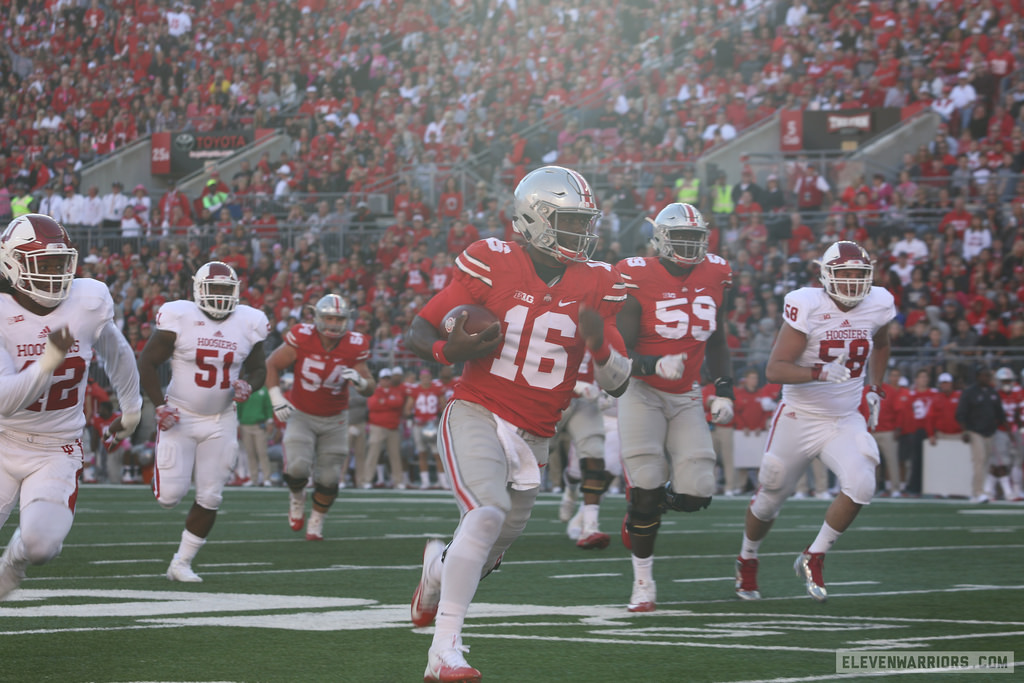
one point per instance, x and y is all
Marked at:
(330, 315)
(1005, 377)
(38, 258)
(680, 234)
(556, 211)
(847, 290)
(215, 286)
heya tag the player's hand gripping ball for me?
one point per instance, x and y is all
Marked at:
(477, 319)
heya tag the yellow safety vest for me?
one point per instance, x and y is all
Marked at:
(721, 199)
(21, 205)
(689, 194)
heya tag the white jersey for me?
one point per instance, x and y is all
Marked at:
(55, 406)
(830, 332)
(208, 353)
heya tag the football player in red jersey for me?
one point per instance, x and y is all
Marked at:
(423, 405)
(211, 343)
(821, 356)
(53, 324)
(673, 315)
(553, 303)
(326, 357)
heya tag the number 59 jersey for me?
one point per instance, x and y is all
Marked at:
(679, 313)
(208, 353)
(319, 389)
(832, 332)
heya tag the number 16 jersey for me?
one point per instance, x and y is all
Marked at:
(831, 332)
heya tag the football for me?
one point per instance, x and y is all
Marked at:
(479, 319)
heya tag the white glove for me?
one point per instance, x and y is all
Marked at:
(586, 390)
(352, 375)
(52, 357)
(243, 390)
(836, 371)
(166, 417)
(721, 409)
(282, 408)
(671, 367)
(129, 421)
(874, 402)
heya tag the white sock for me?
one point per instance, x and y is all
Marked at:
(590, 517)
(424, 479)
(460, 572)
(826, 537)
(317, 517)
(748, 551)
(382, 475)
(189, 546)
(643, 568)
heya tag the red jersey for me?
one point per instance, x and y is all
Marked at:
(1012, 400)
(942, 414)
(427, 401)
(384, 408)
(529, 380)
(319, 388)
(679, 313)
(915, 410)
(749, 407)
(892, 405)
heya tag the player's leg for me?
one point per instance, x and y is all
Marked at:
(300, 446)
(48, 491)
(852, 455)
(643, 427)
(791, 439)
(331, 454)
(214, 454)
(586, 427)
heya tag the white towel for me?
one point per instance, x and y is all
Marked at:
(523, 471)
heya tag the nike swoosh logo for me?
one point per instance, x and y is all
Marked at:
(565, 303)
(700, 289)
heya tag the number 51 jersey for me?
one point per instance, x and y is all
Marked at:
(208, 353)
(830, 333)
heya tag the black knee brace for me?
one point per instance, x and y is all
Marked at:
(595, 479)
(294, 483)
(683, 502)
(324, 495)
(643, 512)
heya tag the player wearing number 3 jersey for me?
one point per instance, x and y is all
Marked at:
(821, 357)
(552, 303)
(215, 347)
(673, 315)
(52, 324)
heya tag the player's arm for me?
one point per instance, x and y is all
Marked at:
(255, 367)
(628, 323)
(719, 360)
(879, 362)
(157, 351)
(282, 358)
(788, 348)
(19, 389)
(611, 365)
(425, 341)
(123, 371)
(371, 384)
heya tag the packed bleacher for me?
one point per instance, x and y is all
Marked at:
(443, 106)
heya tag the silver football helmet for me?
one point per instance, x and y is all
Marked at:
(215, 287)
(1005, 378)
(848, 290)
(680, 234)
(556, 211)
(38, 258)
(330, 315)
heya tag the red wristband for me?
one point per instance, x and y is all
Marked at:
(438, 350)
(816, 371)
(877, 389)
(601, 355)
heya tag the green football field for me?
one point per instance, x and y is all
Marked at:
(926, 576)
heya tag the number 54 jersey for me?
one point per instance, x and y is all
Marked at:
(208, 353)
(679, 313)
(319, 389)
(832, 332)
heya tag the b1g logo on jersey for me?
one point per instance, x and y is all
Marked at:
(522, 296)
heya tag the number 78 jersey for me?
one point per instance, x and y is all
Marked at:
(832, 332)
(208, 353)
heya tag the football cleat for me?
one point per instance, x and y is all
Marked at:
(12, 573)
(643, 598)
(809, 567)
(447, 665)
(180, 570)
(428, 593)
(315, 528)
(746, 579)
(296, 509)
(593, 540)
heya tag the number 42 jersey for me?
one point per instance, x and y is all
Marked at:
(832, 332)
(208, 353)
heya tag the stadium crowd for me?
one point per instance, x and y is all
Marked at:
(628, 93)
